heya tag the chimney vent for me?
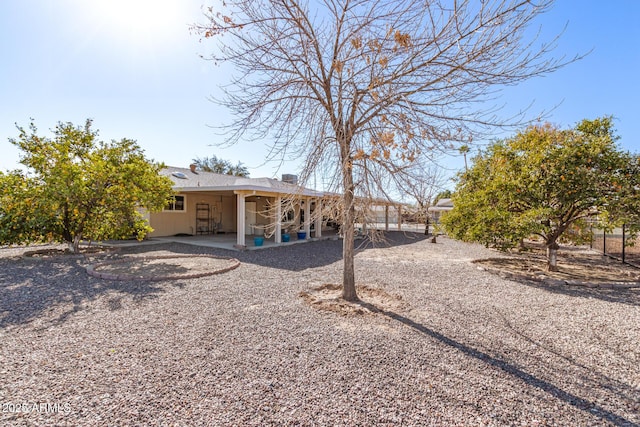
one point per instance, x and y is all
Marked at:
(290, 179)
(192, 166)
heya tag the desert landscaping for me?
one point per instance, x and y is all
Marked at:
(438, 340)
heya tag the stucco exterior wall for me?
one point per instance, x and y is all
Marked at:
(223, 212)
(169, 223)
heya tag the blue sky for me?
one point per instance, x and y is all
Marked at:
(133, 67)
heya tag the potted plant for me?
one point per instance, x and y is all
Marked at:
(286, 237)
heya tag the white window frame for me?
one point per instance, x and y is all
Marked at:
(184, 205)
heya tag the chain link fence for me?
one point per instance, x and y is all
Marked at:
(617, 244)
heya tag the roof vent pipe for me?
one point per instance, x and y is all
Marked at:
(291, 179)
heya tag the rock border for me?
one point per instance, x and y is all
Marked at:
(91, 269)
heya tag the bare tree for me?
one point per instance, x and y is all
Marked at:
(359, 88)
(423, 182)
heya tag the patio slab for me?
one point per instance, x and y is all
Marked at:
(221, 241)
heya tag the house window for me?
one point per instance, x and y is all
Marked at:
(289, 215)
(177, 204)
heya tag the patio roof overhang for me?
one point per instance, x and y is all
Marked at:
(253, 189)
(192, 181)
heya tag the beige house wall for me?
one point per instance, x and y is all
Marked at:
(222, 211)
(228, 216)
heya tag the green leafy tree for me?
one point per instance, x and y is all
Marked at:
(546, 182)
(77, 187)
(221, 166)
(627, 209)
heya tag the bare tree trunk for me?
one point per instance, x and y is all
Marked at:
(426, 223)
(434, 236)
(74, 243)
(521, 246)
(552, 256)
(348, 220)
(348, 274)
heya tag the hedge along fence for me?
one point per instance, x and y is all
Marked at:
(617, 244)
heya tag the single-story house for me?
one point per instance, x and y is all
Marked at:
(211, 203)
(441, 207)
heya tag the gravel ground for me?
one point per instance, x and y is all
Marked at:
(243, 348)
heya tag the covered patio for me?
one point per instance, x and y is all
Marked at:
(245, 213)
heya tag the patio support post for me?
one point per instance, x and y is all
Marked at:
(386, 217)
(240, 220)
(318, 217)
(307, 217)
(278, 219)
(399, 217)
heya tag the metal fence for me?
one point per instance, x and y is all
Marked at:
(617, 244)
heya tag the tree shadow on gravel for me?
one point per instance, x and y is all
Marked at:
(556, 392)
(29, 288)
(298, 257)
(616, 295)
(324, 252)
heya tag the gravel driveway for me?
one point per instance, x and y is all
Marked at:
(242, 348)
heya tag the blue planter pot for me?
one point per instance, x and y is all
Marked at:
(286, 237)
(258, 241)
(302, 235)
